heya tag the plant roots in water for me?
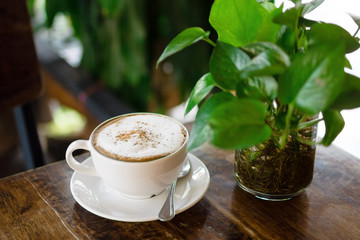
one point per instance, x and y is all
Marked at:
(268, 170)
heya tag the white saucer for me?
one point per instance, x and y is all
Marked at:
(98, 198)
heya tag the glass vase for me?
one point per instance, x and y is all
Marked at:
(271, 173)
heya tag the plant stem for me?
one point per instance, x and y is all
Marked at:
(284, 136)
(302, 140)
(309, 123)
(209, 41)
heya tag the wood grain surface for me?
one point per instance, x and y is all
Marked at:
(37, 204)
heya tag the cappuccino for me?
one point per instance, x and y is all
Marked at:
(139, 137)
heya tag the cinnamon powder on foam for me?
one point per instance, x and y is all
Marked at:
(143, 140)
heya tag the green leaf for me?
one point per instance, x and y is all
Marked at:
(349, 97)
(288, 18)
(355, 18)
(306, 22)
(302, 44)
(331, 34)
(202, 88)
(269, 30)
(334, 123)
(237, 21)
(239, 124)
(262, 88)
(286, 40)
(347, 64)
(310, 6)
(184, 39)
(271, 60)
(296, 2)
(314, 79)
(225, 64)
(259, 47)
(201, 131)
(262, 64)
(269, 6)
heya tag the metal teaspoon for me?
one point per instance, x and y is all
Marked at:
(167, 211)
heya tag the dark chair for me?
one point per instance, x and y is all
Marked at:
(20, 81)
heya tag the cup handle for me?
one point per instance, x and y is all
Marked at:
(74, 164)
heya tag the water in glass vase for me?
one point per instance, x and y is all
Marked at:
(271, 173)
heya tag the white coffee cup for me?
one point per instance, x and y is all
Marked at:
(134, 179)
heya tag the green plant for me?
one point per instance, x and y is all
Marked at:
(272, 70)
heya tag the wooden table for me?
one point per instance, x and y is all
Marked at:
(38, 204)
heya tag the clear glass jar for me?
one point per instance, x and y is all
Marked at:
(275, 174)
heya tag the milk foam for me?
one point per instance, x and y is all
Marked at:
(139, 137)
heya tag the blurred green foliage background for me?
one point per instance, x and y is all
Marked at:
(122, 39)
